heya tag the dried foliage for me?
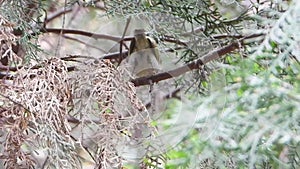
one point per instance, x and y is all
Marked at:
(37, 102)
(41, 99)
(111, 114)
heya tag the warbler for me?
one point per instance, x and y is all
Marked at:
(143, 54)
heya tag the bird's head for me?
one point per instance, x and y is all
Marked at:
(139, 33)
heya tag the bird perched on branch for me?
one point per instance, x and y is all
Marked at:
(144, 56)
(144, 60)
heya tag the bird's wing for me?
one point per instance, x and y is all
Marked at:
(152, 42)
(132, 46)
(153, 46)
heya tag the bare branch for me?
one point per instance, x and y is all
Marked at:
(85, 33)
(196, 64)
(58, 13)
(188, 67)
(9, 68)
(82, 42)
(172, 94)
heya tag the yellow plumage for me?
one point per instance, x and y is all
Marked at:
(143, 54)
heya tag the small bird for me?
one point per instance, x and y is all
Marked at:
(143, 54)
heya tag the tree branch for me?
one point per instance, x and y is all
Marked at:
(9, 68)
(196, 64)
(188, 67)
(172, 94)
(160, 76)
(58, 13)
(68, 9)
(82, 42)
(103, 36)
(85, 33)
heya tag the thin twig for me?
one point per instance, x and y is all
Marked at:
(85, 43)
(15, 102)
(172, 94)
(58, 13)
(122, 39)
(9, 68)
(85, 33)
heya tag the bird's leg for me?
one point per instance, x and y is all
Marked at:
(152, 97)
(151, 86)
